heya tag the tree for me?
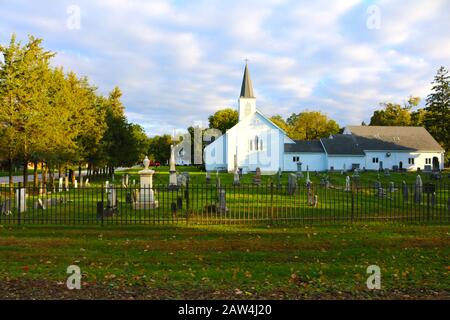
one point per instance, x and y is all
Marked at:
(224, 119)
(437, 116)
(311, 125)
(279, 121)
(391, 115)
(159, 148)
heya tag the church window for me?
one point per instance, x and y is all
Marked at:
(251, 145)
(256, 143)
(295, 159)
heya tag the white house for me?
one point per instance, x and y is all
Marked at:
(255, 141)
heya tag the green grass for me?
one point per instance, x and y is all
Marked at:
(228, 262)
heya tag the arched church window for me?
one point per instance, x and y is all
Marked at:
(256, 143)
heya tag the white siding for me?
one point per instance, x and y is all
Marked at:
(214, 155)
(338, 162)
(314, 161)
(400, 156)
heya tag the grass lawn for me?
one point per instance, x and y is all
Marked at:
(231, 262)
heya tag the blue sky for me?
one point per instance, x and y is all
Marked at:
(177, 62)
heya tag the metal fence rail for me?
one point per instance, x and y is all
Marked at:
(225, 204)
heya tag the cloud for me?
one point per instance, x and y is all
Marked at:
(177, 62)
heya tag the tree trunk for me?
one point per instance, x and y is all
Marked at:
(11, 179)
(44, 173)
(35, 174)
(79, 174)
(25, 173)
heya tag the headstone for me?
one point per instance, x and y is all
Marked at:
(75, 185)
(208, 177)
(299, 170)
(173, 181)
(181, 180)
(308, 181)
(60, 184)
(236, 181)
(316, 201)
(180, 203)
(433, 199)
(343, 169)
(222, 202)
(127, 179)
(279, 175)
(347, 184)
(106, 185)
(21, 197)
(86, 183)
(310, 194)
(386, 172)
(405, 191)
(391, 186)
(81, 182)
(66, 183)
(146, 197)
(112, 197)
(292, 184)
(41, 189)
(257, 177)
(418, 189)
(6, 207)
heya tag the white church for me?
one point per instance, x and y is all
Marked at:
(255, 141)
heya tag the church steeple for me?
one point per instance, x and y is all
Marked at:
(247, 87)
(247, 100)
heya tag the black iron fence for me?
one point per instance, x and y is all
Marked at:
(225, 204)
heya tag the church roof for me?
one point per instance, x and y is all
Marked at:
(395, 138)
(247, 87)
(342, 144)
(304, 146)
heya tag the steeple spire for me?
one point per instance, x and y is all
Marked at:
(247, 87)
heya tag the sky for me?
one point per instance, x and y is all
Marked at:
(177, 62)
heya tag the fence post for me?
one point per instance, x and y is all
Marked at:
(271, 202)
(353, 203)
(186, 195)
(102, 193)
(19, 204)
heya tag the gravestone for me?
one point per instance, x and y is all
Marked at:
(6, 207)
(347, 184)
(21, 197)
(106, 185)
(236, 181)
(405, 191)
(66, 183)
(208, 177)
(86, 183)
(392, 186)
(75, 184)
(292, 184)
(112, 197)
(418, 189)
(386, 172)
(222, 202)
(181, 180)
(257, 177)
(310, 194)
(433, 199)
(308, 181)
(173, 181)
(316, 201)
(41, 189)
(180, 203)
(60, 184)
(279, 174)
(299, 170)
(127, 180)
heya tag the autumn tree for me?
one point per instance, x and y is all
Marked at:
(224, 119)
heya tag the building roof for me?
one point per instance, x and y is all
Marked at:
(304, 146)
(342, 144)
(395, 138)
(247, 87)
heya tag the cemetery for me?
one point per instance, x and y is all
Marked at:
(177, 194)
